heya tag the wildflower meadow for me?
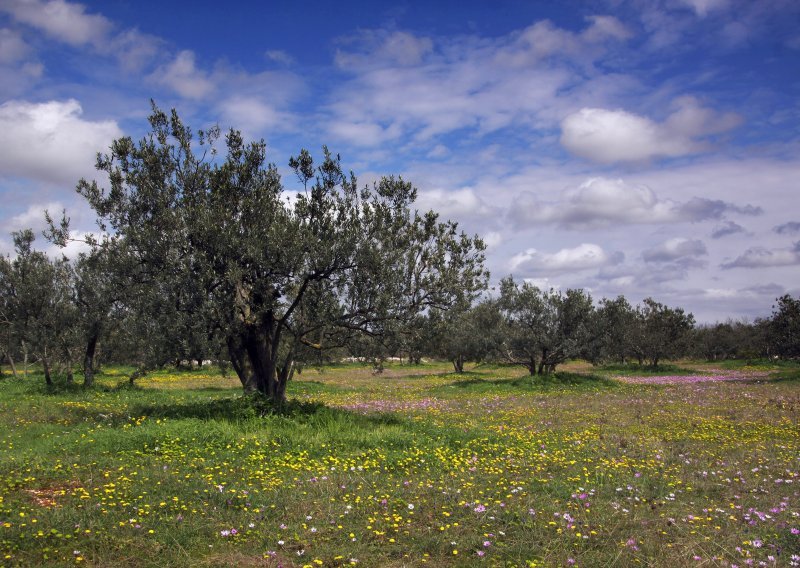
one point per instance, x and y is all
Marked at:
(695, 465)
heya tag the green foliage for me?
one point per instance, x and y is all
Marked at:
(783, 329)
(660, 332)
(37, 311)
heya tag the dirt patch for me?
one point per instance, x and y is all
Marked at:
(48, 497)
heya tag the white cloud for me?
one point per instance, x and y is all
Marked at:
(361, 133)
(602, 202)
(50, 141)
(543, 283)
(492, 239)
(438, 151)
(75, 246)
(605, 27)
(760, 257)
(405, 48)
(703, 7)
(134, 49)
(382, 48)
(64, 21)
(412, 85)
(250, 113)
(256, 103)
(676, 249)
(279, 56)
(12, 47)
(609, 136)
(68, 22)
(457, 204)
(182, 76)
(33, 217)
(584, 256)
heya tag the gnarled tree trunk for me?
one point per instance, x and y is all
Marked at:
(254, 357)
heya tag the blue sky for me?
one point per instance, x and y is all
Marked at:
(644, 147)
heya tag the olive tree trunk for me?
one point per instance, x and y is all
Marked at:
(254, 356)
(88, 361)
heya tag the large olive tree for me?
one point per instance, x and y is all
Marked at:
(274, 275)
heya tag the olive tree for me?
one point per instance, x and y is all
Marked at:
(614, 326)
(38, 310)
(277, 274)
(466, 333)
(660, 332)
(783, 329)
(543, 329)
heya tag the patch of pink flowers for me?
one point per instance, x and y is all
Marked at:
(715, 375)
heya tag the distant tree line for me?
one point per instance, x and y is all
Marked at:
(73, 316)
(203, 257)
(540, 329)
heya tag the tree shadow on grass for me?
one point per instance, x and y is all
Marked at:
(792, 376)
(646, 370)
(254, 407)
(530, 383)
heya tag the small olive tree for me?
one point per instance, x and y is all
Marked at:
(542, 329)
(38, 312)
(783, 328)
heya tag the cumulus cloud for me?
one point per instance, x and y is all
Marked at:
(33, 217)
(459, 204)
(584, 256)
(675, 249)
(609, 136)
(760, 257)
(725, 229)
(63, 21)
(790, 228)
(182, 76)
(602, 202)
(65, 144)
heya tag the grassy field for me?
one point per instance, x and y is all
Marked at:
(696, 465)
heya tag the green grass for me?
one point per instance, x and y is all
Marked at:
(644, 370)
(415, 466)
